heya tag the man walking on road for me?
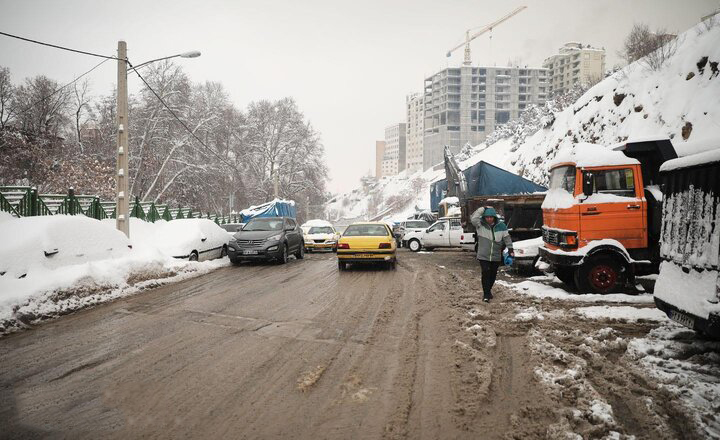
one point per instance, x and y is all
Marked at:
(492, 236)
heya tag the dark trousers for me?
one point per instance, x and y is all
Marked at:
(489, 273)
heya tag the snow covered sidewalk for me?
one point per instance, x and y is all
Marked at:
(54, 265)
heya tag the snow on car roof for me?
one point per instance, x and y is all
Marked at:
(584, 154)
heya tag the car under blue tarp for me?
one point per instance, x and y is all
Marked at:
(275, 208)
(484, 179)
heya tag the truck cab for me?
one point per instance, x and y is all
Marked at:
(443, 233)
(602, 214)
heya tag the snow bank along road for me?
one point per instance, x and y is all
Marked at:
(305, 351)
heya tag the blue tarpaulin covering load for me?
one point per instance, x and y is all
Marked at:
(484, 179)
(276, 208)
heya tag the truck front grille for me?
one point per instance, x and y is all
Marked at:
(551, 236)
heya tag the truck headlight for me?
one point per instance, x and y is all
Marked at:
(568, 239)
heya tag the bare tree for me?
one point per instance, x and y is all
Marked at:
(6, 96)
(80, 101)
(40, 107)
(651, 48)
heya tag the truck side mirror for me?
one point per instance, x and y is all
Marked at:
(588, 184)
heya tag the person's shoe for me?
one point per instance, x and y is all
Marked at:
(487, 300)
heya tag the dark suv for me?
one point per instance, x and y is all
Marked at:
(267, 238)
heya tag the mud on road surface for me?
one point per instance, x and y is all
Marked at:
(305, 351)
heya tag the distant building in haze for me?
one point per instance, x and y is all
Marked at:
(379, 154)
(414, 132)
(574, 64)
(464, 104)
(394, 158)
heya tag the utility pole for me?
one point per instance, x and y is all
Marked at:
(122, 217)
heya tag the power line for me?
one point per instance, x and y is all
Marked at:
(59, 47)
(172, 112)
(58, 89)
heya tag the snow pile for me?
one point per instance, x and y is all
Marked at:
(532, 287)
(57, 264)
(621, 313)
(685, 365)
(529, 314)
(33, 244)
(694, 292)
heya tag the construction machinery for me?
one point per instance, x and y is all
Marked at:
(483, 30)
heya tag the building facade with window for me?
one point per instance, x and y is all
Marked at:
(379, 155)
(464, 104)
(414, 132)
(574, 64)
(394, 157)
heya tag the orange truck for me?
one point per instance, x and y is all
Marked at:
(602, 214)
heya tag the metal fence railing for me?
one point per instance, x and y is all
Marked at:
(24, 201)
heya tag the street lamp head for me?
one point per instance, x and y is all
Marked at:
(191, 54)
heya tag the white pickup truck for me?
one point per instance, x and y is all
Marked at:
(445, 233)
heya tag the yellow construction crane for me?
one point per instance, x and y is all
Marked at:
(488, 28)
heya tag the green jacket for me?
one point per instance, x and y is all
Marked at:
(491, 240)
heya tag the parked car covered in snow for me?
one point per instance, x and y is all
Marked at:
(444, 233)
(320, 235)
(267, 238)
(194, 239)
(688, 286)
(51, 242)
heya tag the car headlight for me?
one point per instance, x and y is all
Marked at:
(277, 237)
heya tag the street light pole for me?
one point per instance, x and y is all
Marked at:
(122, 209)
(122, 174)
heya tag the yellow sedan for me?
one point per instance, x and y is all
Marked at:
(366, 243)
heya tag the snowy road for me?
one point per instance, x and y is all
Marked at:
(304, 351)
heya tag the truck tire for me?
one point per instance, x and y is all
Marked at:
(414, 245)
(566, 275)
(599, 275)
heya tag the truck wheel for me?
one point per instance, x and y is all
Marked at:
(566, 275)
(600, 275)
(414, 245)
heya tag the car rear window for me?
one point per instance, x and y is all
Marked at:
(366, 231)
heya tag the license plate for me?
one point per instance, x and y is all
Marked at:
(250, 252)
(681, 318)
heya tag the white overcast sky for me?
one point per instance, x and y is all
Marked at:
(349, 64)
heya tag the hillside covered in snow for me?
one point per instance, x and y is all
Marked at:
(679, 100)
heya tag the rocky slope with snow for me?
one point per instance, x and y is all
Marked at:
(679, 101)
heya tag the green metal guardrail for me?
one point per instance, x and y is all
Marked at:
(24, 201)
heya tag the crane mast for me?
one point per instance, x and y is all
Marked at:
(488, 28)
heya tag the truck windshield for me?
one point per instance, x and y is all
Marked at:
(563, 178)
